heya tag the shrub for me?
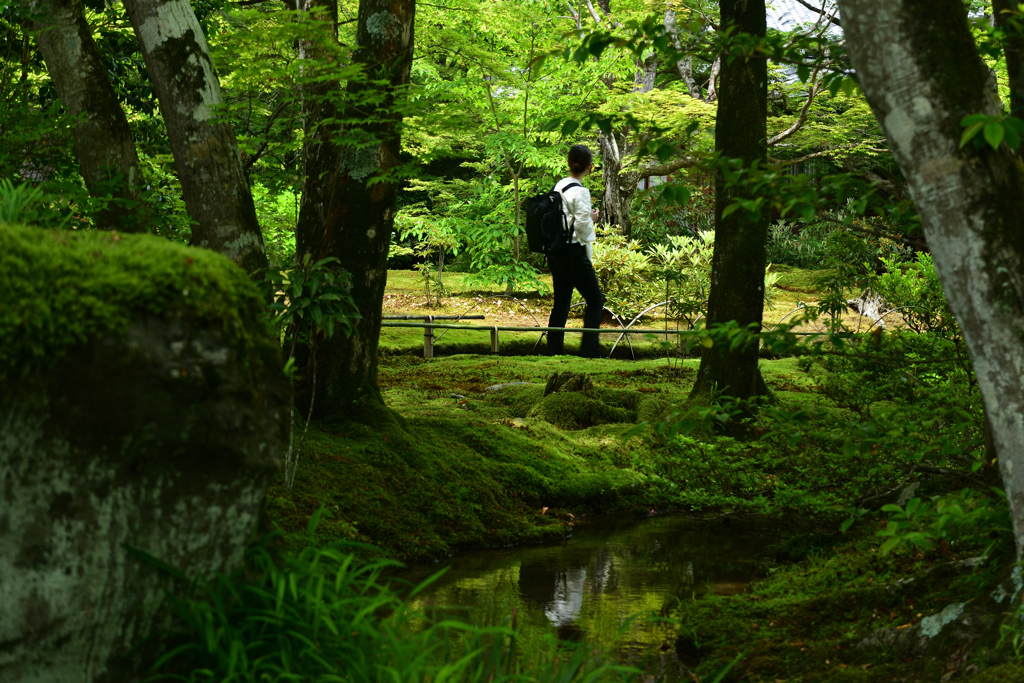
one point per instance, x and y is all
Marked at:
(624, 272)
(915, 290)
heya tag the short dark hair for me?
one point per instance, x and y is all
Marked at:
(580, 158)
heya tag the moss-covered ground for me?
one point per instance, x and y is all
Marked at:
(468, 452)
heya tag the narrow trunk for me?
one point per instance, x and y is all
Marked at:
(685, 65)
(515, 239)
(921, 79)
(104, 146)
(611, 158)
(206, 155)
(360, 216)
(1014, 50)
(615, 149)
(716, 69)
(737, 268)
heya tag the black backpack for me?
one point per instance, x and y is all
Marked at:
(547, 229)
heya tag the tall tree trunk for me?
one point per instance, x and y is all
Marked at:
(921, 78)
(615, 148)
(1013, 49)
(738, 264)
(104, 146)
(320, 151)
(360, 216)
(206, 155)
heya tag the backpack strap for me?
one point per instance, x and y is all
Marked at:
(572, 226)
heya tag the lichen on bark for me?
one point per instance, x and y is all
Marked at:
(206, 155)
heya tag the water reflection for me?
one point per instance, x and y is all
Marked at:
(589, 586)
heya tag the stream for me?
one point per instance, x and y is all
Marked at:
(587, 587)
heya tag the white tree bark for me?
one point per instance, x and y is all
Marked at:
(206, 154)
(921, 72)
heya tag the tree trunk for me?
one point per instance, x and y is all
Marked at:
(206, 155)
(685, 65)
(738, 264)
(360, 216)
(1014, 51)
(320, 151)
(921, 78)
(104, 146)
(615, 148)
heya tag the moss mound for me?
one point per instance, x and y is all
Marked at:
(424, 487)
(576, 410)
(67, 288)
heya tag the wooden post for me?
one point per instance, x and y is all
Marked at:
(428, 338)
(494, 339)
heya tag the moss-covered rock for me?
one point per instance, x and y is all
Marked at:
(576, 410)
(144, 407)
(63, 289)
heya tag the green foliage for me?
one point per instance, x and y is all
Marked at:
(27, 204)
(993, 129)
(847, 269)
(435, 238)
(309, 301)
(914, 289)
(678, 271)
(278, 213)
(623, 270)
(324, 615)
(923, 524)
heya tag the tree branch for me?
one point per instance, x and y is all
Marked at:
(824, 152)
(804, 111)
(821, 10)
(685, 65)
(716, 66)
(633, 177)
(261, 150)
(575, 14)
(593, 13)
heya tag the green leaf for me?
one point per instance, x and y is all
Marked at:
(1015, 123)
(975, 118)
(1012, 137)
(970, 132)
(890, 544)
(994, 133)
(570, 126)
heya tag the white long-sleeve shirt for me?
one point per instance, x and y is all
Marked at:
(577, 205)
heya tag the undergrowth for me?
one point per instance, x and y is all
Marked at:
(324, 615)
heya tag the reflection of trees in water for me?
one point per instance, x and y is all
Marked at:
(598, 579)
(560, 588)
(567, 601)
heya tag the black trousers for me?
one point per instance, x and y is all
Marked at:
(571, 269)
